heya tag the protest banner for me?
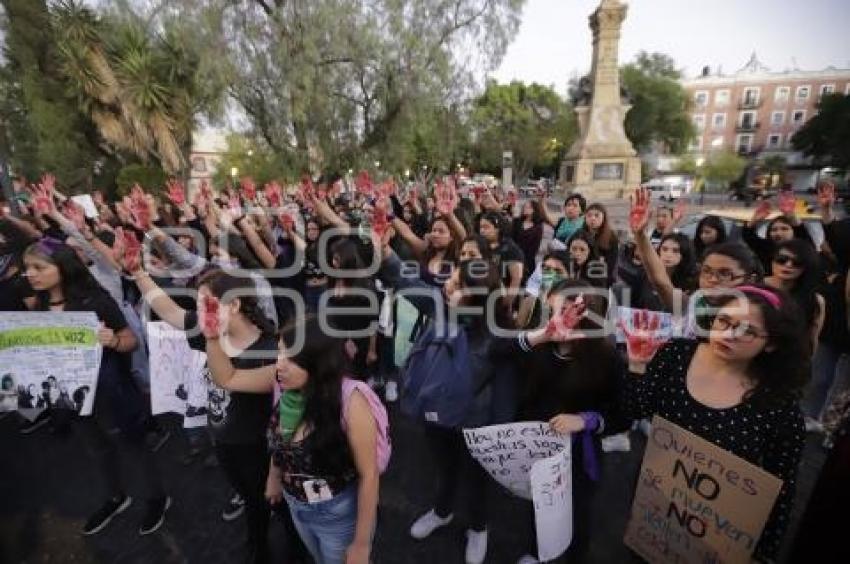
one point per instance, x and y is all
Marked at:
(50, 359)
(179, 382)
(552, 493)
(697, 503)
(507, 452)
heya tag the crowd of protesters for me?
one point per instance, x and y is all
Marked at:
(293, 295)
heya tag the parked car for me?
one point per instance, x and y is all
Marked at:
(669, 188)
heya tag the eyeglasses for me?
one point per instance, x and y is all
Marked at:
(740, 330)
(787, 260)
(722, 275)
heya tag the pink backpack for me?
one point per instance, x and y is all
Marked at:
(379, 412)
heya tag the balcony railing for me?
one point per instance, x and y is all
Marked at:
(749, 104)
(747, 127)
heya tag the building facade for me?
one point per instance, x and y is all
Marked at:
(756, 111)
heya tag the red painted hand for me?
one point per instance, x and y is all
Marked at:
(643, 338)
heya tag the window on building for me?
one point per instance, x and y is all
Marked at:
(744, 143)
(717, 142)
(777, 118)
(701, 98)
(696, 144)
(747, 120)
(718, 121)
(751, 97)
(803, 93)
(782, 94)
(774, 141)
(798, 117)
(699, 122)
(721, 98)
(827, 89)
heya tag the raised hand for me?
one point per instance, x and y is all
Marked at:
(640, 214)
(175, 192)
(380, 217)
(560, 327)
(287, 222)
(786, 202)
(42, 195)
(130, 249)
(209, 317)
(249, 189)
(643, 338)
(97, 198)
(273, 194)
(140, 210)
(826, 195)
(761, 212)
(234, 204)
(446, 197)
(307, 190)
(75, 214)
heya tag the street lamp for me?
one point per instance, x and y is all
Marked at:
(250, 152)
(377, 164)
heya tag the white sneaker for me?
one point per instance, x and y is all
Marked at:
(476, 546)
(617, 443)
(428, 523)
(528, 559)
(391, 391)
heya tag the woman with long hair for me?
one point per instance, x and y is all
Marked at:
(710, 231)
(736, 387)
(61, 282)
(507, 256)
(781, 228)
(240, 430)
(796, 269)
(528, 233)
(464, 298)
(585, 263)
(597, 225)
(574, 384)
(323, 441)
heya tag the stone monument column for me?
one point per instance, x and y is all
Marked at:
(602, 162)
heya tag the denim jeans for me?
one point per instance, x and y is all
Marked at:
(327, 528)
(830, 375)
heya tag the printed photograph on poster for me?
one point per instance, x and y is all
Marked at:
(49, 360)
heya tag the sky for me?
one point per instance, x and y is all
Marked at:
(553, 42)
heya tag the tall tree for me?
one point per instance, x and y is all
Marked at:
(531, 120)
(329, 81)
(138, 86)
(826, 136)
(660, 105)
(42, 126)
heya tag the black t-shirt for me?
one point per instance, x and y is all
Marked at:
(13, 290)
(506, 253)
(245, 416)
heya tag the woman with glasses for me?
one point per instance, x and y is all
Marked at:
(796, 269)
(723, 266)
(737, 387)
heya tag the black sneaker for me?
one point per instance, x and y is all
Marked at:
(105, 514)
(235, 508)
(28, 427)
(154, 515)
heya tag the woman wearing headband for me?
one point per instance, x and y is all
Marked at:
(737, 386)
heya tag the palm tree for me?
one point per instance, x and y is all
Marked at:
(135, 85)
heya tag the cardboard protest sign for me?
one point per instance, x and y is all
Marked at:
(552, 493)
(48, 359)
(509, 451)
(179, 378)
(697, 503)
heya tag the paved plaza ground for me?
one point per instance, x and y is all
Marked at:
(47, 492)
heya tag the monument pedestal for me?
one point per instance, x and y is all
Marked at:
(602, 162)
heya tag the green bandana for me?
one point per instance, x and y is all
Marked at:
(291, 407)
(549, 279)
